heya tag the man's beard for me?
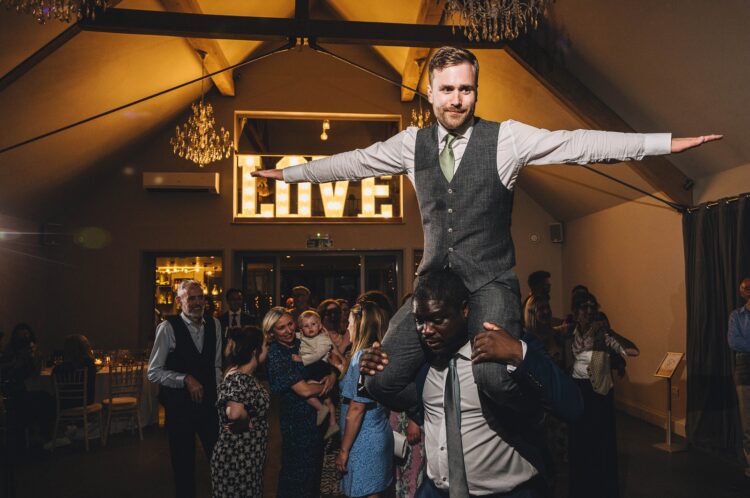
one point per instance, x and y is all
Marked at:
(195, 313)
(454, 122)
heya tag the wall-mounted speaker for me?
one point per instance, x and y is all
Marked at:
(556, 233)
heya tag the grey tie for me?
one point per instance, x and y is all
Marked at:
(459, 487)
(447, 159)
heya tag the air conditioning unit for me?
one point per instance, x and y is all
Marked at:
(181, 182)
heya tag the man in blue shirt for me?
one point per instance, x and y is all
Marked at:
(739, 342)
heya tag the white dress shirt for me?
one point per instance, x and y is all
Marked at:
(165, 343)
(492, 465)
(518, 145)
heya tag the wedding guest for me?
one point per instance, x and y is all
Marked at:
(301, 295)
(186, 363)
(301, 441)
(240, 452)
(77, 355)
(25, 409)
(593, 441)
(366, 455)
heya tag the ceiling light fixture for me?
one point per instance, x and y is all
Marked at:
(198, 140)
(62, 10)
(495, 20)
(420, 118)
(326, 127)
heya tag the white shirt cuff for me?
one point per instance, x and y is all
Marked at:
(511, 368)
(293, 174)
(657, 144)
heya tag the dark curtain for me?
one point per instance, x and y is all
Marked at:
(717, 256)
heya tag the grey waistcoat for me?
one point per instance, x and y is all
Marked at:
(466, 222)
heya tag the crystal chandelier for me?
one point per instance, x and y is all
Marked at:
(495, 20)
(198, 141)
(420, 118)
(62, 10)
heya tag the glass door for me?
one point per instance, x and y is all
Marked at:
(268, 278)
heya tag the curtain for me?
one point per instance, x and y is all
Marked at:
(717, 255)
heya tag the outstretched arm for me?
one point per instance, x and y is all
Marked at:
(379, 159)
(535, 146)
(683, 144)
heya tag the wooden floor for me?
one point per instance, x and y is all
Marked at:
(130, 468)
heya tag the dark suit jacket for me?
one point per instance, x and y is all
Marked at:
(245, 319)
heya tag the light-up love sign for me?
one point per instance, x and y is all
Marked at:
(370, 200)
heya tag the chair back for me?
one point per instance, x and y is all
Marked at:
(125, 380)
(71, 388)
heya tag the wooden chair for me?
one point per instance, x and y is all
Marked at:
(72, 387)
(124, 399)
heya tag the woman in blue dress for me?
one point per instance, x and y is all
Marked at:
(301, 440)
(366, 456)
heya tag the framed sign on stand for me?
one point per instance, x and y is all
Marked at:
(666, 370)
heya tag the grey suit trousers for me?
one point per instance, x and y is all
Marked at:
(497, 302)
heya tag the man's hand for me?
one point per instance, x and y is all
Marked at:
(273, 174)
(413, 433)
(336, 360)
(327, 383)
(297, 358)
(496, 344)
(373, 359)
(683, 144)
(194, 387)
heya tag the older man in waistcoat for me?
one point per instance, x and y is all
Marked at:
(186, 363)
(464, 169)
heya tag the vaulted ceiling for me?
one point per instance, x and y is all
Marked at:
(649, 66)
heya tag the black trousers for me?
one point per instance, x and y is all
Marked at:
(593, 446)
(183, 424)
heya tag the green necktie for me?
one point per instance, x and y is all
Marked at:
(447, 160)
(457, 480)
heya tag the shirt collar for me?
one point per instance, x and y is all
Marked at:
(464, 132)
(189, 322)
(744, 309)
(465, 352)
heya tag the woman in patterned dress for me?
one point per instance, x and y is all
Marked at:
(240, 453)
(366, 456)
(301, 440)
(410, 471)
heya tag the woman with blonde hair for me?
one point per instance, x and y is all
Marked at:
(301, 441)
(364, 422)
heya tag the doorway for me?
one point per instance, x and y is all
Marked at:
(267, 278)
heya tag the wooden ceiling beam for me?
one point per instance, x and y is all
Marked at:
(657, 171)
(430, 13)
(141, 22)
(215, 59)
